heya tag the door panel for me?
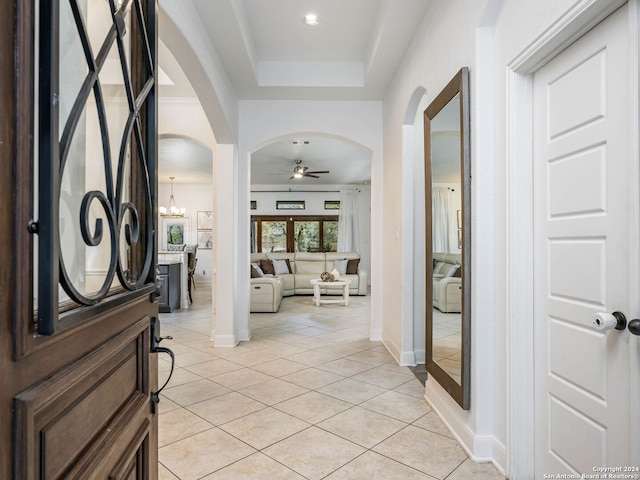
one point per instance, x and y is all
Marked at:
(581, 167)
(65, 420)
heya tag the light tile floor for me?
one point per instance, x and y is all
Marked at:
(309, 397)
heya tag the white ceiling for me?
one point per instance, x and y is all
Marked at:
(352, 54)
(347, 163)
(269, 53)
(184, 159)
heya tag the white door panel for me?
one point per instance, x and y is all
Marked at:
(581, 198)
(581, 88)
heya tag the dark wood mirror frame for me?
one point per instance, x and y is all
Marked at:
(458, 85)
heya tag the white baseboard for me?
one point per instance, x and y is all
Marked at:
(499, 456)
(392, 348)
(244, 335)
(375, 334)
(407, 359)
(421, 357)
(225, 341)
(481, 449)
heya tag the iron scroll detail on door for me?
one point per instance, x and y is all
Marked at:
(95, 214)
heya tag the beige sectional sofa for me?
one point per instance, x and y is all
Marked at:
(266, 294)
(305, 266)
(447, 287)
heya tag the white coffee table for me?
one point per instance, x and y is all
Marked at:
(317, 283)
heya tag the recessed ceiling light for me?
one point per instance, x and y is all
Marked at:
(311, 19)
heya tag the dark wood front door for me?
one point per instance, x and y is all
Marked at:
(78, 259)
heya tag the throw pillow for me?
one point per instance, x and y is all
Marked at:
(258, 270)
(458, 273)
(280, 267)
(175, 247)
(267, 267)
(288, 265)
(341, 266)
(352, 266)
(254, 273)
(452, 271)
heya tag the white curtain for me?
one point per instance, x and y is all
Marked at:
(348, 222)
(440, 219)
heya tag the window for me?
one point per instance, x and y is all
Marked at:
(289, 204)
(294, 234)
(330, 235)
(332, 204)
(273, 235)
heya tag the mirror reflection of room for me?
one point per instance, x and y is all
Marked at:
(447, 225)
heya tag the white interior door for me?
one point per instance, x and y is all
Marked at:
(582, 202)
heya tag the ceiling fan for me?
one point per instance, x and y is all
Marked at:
(300, 171)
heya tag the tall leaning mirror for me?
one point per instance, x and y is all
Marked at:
(448, 238)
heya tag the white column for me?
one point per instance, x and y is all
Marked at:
(223, 332)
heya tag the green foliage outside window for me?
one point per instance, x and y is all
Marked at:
(330, 236)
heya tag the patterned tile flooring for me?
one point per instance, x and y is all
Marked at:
(309, 397)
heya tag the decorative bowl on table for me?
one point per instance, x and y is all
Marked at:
(327, 277)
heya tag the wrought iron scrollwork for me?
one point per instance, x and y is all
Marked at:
(123, 223)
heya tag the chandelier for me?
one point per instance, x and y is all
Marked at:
(173, 211)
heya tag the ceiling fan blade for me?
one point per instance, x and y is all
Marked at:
(312, 176)
(324, 171)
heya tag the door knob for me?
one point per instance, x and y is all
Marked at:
(634, 326)
(607, 321)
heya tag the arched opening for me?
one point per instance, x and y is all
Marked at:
(413, 278)
(347, 165)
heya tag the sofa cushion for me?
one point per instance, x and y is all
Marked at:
(341, 266)
(267, 267)
(310, 267)
(256, 257)
(280, 267)
(303, 282)
(352, 266)
(258, 270)
(451, 272)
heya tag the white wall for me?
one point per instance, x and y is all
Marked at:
(485, 36)
(445, 43)
(314, 205)
(185, 117)
(186, 37)
(314, 202)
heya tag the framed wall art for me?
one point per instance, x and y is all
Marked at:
(205, 219)
(175, 231)
(205, 239)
